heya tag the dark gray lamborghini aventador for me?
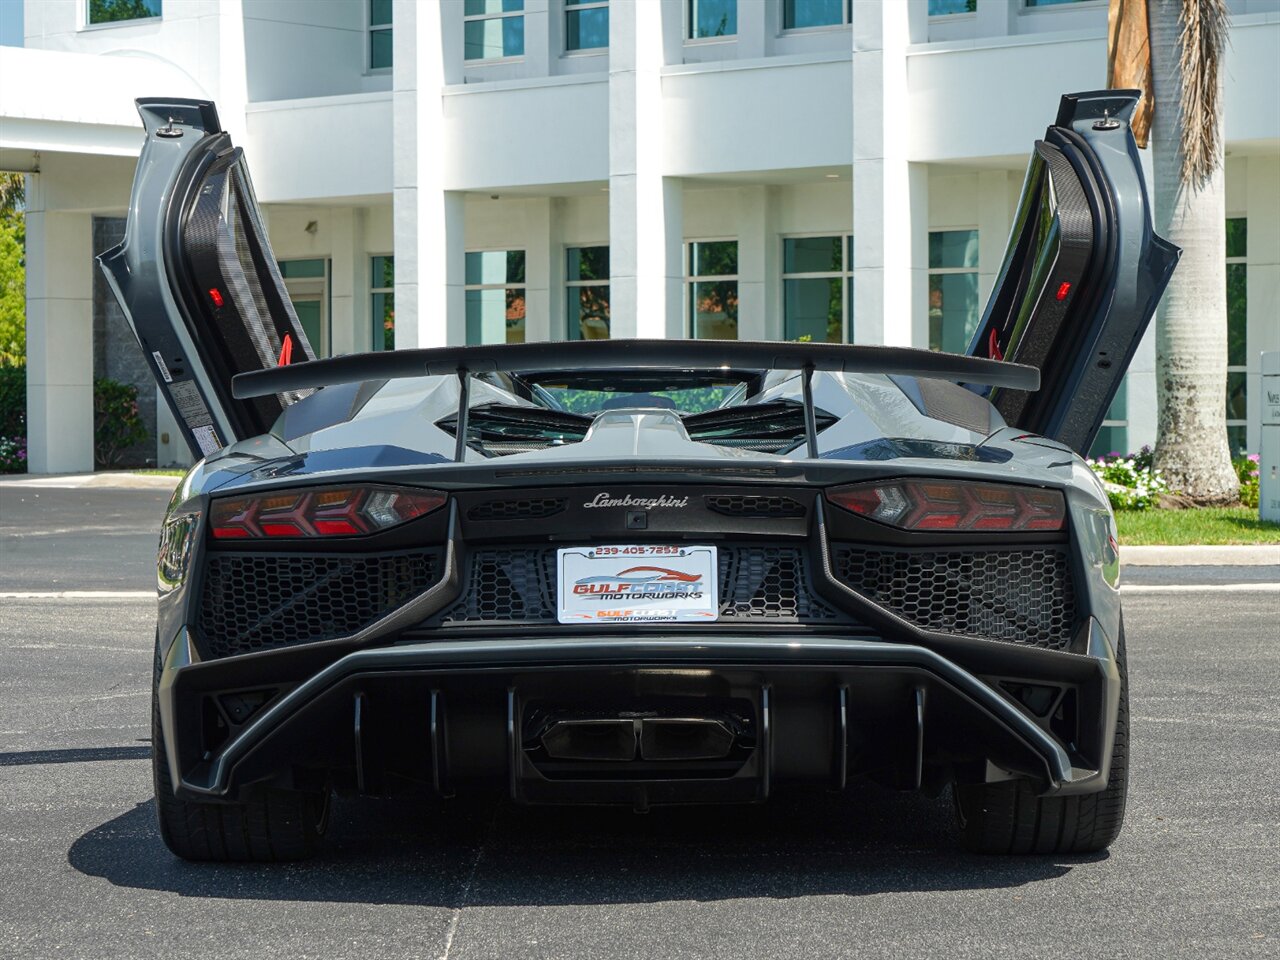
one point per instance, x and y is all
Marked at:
(640, 572)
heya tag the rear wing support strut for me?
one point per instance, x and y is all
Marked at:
(464, 405)
(810, 418)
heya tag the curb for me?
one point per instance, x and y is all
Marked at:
(1247, 555)
(108, 480)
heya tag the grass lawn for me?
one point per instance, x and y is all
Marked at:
(161, 473)
(1210, 525)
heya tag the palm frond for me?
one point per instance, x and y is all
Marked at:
(1205, 25)
(13, 191)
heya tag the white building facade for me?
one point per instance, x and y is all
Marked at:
(492, 170)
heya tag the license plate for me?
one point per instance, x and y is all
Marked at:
(637, 584)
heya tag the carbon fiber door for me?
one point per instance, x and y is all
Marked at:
(1082, 273)
(197, 280)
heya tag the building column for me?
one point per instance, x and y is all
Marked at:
(890, 194)
(754, 32)
(537, 37)
(646, 248)
(429, 224)
(996, 18)
(348, 282)
(1263, 285)
(59, 337)
(541, 275)
(1140, 380)
(171, 449)
(995, 219)
(758, 269)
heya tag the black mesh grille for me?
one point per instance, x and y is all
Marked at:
(1023, 596)
(756, 582)
(253, 601)
(770, 583)
(746, 505)
(508, 586)
(529, 508)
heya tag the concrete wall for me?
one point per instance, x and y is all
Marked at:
(304, 48)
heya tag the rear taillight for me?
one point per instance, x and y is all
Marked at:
(326, 512)
(953, 505)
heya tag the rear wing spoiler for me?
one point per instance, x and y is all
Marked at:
(581, 355)
(577, 355)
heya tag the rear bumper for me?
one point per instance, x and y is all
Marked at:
(441, 714)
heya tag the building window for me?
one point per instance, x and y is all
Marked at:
(712, 18)
(1237, 334)
(117, 11)
(815, 287)
(946, 8)
(804, 14)
(382, 306)
(307, 283)
(379, 34)
(953, 289)
(495, 296)
(587, 293)
(1113, 436)
(712, 282)
(492, 29)
(586, 24)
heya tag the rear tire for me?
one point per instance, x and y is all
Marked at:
(1008, 817)
(273, 826)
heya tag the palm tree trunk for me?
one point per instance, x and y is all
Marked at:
(1191, 326)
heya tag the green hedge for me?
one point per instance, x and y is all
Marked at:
(13, 401)
(117, 422)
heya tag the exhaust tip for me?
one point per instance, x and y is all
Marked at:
(684, 738)
(590, 740)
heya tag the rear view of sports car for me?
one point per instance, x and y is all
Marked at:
(639, 572)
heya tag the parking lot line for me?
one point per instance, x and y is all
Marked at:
(1199, 587)
(78, 595)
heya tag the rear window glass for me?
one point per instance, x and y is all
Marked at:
(688, 400)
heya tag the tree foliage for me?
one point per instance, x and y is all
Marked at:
(13, 272)
(110, 11)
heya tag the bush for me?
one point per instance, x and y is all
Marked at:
(1131, 482)
(13, 454)
(13, 400)
(1247, 469)
(117, 422)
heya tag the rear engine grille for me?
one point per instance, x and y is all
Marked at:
(770, 583)
(536, 508)
(756, 583)
(507, 586)
(1022, 596)
(756, 507)
(254, 601)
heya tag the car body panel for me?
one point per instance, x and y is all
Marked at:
(428, 655)
(196, 278)
(1082, 273)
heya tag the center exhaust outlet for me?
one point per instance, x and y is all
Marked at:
(646, 738)
(684, 738)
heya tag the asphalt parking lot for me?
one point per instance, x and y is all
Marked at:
(871, 873)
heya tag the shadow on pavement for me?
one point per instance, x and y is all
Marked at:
(494, 853)
(83, 755)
